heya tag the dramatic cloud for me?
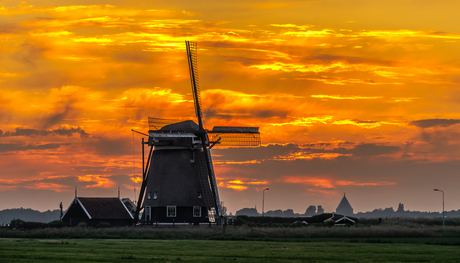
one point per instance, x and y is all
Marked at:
(10, 147)
(369, 107)
(34, 132)
(370, 149)
(428, 123)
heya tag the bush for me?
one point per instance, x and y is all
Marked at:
(329, 222)
(276, 221)
(21, 224)
(103, 224)
(82, 224)
(17, 223)
(57, 224)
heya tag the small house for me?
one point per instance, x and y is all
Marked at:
(95, 210)
(340, 220)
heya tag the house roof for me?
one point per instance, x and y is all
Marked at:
(345, 218)
(344, 205)
(102, 207)
(338, 218)
(129, 204)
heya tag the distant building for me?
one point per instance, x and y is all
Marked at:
(344, 207)
(94, 210)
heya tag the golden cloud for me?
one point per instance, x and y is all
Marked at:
(319, 182)
(136, 179)
(306, 156)
(49, 186)
(101, 181)
(237, 187)
(399, 34)
(379, 183)
(340, 97)
(314, 33)
(316, 68)
(329, 183)
(239, 184)
(305, 121)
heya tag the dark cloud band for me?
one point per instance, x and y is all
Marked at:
(428, 123)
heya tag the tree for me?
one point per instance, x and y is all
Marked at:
(247, 211)
(311, 211)
(320, 210)
(288, 213)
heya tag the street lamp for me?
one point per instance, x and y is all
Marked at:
(263, 200)
(443, 224)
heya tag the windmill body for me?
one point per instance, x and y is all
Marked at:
(178, 188)
(179, 185)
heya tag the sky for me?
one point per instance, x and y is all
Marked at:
(351, 96)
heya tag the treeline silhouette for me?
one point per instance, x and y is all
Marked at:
(29, 215)
(376, 213)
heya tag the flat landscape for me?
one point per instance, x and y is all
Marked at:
(315, 250)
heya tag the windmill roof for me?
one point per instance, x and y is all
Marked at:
(181, 126)
(104, 208)
(344, 204)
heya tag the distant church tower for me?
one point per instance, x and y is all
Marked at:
(344, 207)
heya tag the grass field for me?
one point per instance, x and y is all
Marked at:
(314, 250)
(237, 233)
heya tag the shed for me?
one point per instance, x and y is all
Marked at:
(94, 210)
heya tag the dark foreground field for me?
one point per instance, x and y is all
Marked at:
(315, 250)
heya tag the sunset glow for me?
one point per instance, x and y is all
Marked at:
(353, 98)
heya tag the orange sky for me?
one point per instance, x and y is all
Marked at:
(350, 96)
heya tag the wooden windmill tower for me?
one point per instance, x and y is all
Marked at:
(179, 184)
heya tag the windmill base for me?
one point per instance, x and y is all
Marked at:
(183, 215)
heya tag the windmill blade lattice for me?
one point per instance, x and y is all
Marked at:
(235, 136)
(193, 69)
(156, 124)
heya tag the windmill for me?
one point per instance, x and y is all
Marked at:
(179, 185)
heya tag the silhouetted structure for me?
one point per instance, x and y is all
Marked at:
(95, 210)
(179, 184)
(344, 207)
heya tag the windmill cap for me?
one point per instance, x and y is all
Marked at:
(181, 126)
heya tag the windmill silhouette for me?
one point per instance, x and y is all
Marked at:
(179, 184)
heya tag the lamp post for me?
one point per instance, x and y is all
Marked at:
(263, 200)
(443, 224)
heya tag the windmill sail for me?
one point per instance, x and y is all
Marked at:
(193, 68)
(235, 136)
(208, 185)
(192, 58)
